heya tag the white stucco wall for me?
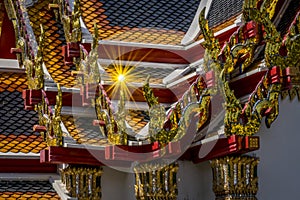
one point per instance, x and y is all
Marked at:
(194, 181)
(279, 167)
(114, 184)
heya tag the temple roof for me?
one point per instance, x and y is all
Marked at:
(154, 21)
(82, 131)
(38, 14)
(158, 26)
(80, 128)
(16, 134)
(222, 10)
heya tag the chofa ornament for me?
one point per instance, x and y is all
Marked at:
(238, 54)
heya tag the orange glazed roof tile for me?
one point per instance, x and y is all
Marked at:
(54, 40)
(16, 134)
(153, 21)
(137, 119)
(83, 132)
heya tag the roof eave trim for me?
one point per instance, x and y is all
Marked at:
(194, 29)
(28, 176)
(228, 28)
(19, 155)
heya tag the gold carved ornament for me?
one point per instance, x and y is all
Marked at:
(34, 68)
(82, 182)
(153, 181)
(51, 120)
(192, 108)
(235, 177)
(292, 59)
(239, 119)
(88, 65)
(114, 125)
(70, 19)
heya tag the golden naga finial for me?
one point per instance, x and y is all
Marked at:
(269, 7)
(95, 36)
(56, 118)
(50, 120)
(246, 120)
(114, 124)
(76, 14)
(148, 93)
(88, 64)
(210, 43)
(120, 119)
(72, 27)
(292, 44)
(34, 69)
(94, 73)
(157, 112)
(120, 116)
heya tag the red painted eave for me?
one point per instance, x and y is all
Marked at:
(7, 37)
(19, 165)
(125, 156)
(222, 147)
(172, 55)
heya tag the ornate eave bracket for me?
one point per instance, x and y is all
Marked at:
(17, 14)
(156, 182)
(235, 177)
(82, 182)
(50, 119)
(238, 52)
(70, 19)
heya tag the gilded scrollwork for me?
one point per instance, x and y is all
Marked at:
(50, 119)
(235, 177)
(193, 108)
(34, 68)
(263, 102)
(94, 73)
(153, 181)
(82, 182)
(71, 20)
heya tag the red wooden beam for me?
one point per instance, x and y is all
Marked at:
(110, 155)
(246, 85)
(156, 54)
(34, 97)
(222, 147)
(164, 95)
(126, 155)
(81, 156)
(17, 165)
(7, 38)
